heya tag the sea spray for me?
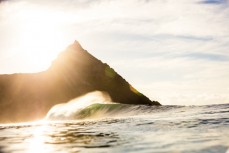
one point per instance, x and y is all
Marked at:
(95, 105)
(69, 110)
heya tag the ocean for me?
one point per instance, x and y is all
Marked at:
(120, 128)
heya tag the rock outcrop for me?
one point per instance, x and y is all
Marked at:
(27, 97)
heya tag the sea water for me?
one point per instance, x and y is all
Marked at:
(103, 128)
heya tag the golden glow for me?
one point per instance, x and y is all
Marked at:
(68, 110)
(135, 90)
(40, 46)
(37, 142)
(36, 34)
(39, 38)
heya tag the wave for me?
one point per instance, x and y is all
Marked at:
(92, 105)
(70, 109)
(98, 104)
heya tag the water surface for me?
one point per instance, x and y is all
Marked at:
(125, 128)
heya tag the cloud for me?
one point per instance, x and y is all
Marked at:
(214, 1)
(206, 56)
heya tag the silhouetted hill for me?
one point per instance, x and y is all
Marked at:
(26, 97)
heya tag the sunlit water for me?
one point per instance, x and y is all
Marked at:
(136, 129)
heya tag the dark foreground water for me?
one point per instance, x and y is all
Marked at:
(123, 128)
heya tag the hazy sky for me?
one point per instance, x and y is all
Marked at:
(174, 51)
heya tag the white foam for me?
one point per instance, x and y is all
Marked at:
(69, 110)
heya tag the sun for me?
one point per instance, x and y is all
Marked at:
(35, 35)
(39, 37)
(40, 45)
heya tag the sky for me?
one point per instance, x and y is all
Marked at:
(173, 51)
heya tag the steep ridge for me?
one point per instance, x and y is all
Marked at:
(75, 72)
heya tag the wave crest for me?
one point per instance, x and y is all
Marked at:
(72, 109)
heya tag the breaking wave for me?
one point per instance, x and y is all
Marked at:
(98, 104)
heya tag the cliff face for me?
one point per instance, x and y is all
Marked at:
(27, 97)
